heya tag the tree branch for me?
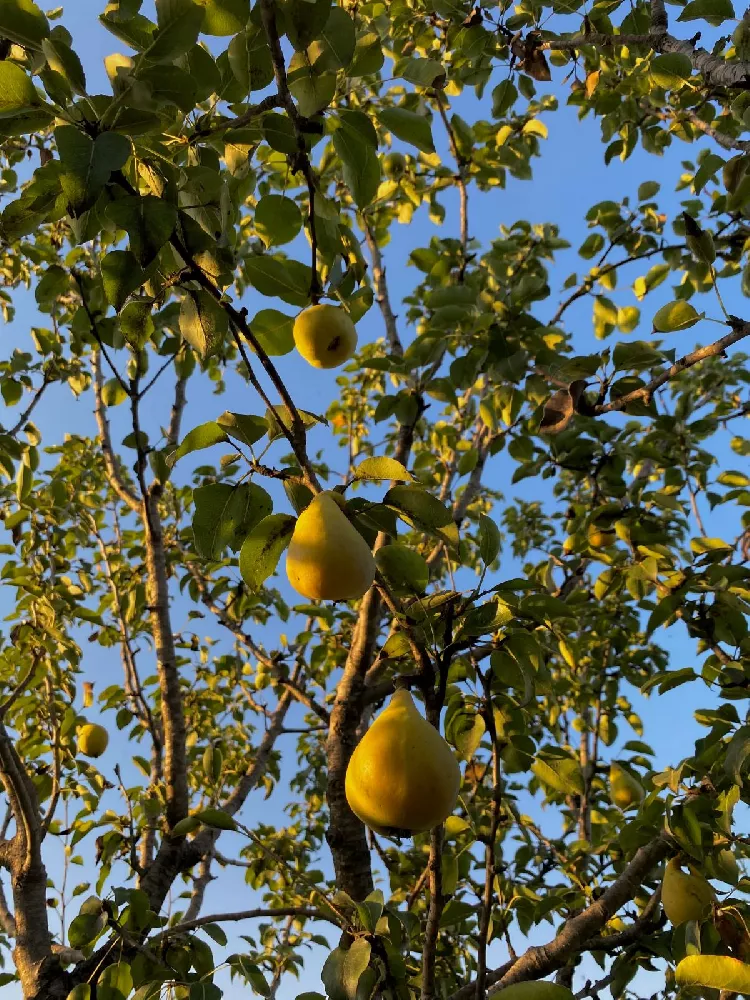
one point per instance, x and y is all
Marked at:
(538, 962)
(111, 462)
(382, 296)
(31, 407)
(305, 912)
(172, 710)
(717, 72)
(739, 332)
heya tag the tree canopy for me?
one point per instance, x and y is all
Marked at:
(245, 163)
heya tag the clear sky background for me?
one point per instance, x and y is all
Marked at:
(569, 177)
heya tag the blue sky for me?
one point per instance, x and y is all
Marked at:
(568, 178)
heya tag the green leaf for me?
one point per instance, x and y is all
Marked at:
(201, 990)
(225, 514)
(671, 69)
(408, 126)
(250, 59)
(243, 427)
(279, 416)
(274, 330)
(368, 55)
(80, 992)
(85, 928)
(185, 826)
(179, 24)
(489, 539)
(733, 478)
(419, 506)
(216, 818)
(636, 355)
(404, 569)
(334, 48)
(277, 219)
(63, 60)
(738, 752)
(679, 315)
(312, 91)
(54, 282)
(203, 436)
(360, 164)
(560, 773)
(285, 279)
(242, 966)
(137, 30)
(136, 323)
(381, 469)
(504, 96)
(705, 545)
(279, 133)
(262, 548)
(23, 22)
(149, 222)
(715, 972)
(88, 163)
(422, 72)
(714, 11)
(17, 91)
(648, 190)
(115, 982)
(203, 322)
(465, 732)
(305, 21)
(121, 276)
(343, 968)
(224, 17)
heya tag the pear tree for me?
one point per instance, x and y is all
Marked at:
(524, 500)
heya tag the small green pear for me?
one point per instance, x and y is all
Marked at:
(624, 790)
(685, 897)
(535, 989)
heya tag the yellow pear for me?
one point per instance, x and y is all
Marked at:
(599, 538)
(325, 336)
(403, 777)
(538, 989)
(328, 559)
(624, 790)
(92, 740)
(685, 897)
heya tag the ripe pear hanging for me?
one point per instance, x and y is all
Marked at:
(328, 559)
(403, 777)
(624, 790)
(685, 897)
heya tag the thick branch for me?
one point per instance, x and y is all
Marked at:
(434, 913)
(23, 857)
(172, 710)
(715, 70)
(539, 962)
(7, 920)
